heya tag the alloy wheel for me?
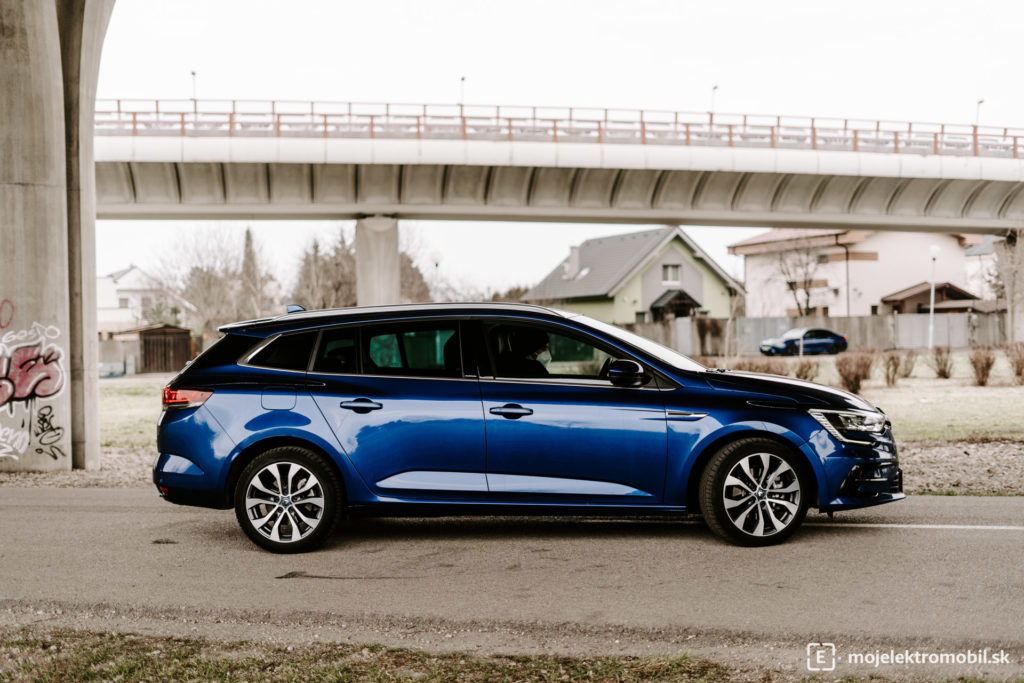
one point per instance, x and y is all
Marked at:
(761, 494)
(284, 502)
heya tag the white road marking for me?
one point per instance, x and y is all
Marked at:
(879, 525)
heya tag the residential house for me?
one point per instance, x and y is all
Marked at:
(845, 272)
(639, 277)
(125, 299)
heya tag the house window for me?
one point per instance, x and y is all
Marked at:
(874, 310)
(122, 302)
(670, 273)
(641, 316)
(822, 258)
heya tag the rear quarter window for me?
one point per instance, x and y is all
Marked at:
(225, 351)
(287, 352)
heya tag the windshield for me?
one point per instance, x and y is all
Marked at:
(662, 353)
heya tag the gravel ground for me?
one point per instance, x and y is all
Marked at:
(971, 468)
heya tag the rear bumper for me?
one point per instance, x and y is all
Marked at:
(184, 485)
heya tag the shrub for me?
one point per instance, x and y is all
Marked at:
(941, 361)
(771, 366)
(806, 369)
(908, 363)
(893, 361)
(1015, 354)
(983, 357)
(853, 369)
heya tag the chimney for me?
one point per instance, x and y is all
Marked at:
(572, 264)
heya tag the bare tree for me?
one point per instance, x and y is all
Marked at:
(327, 279)
(798, 267)
(254, 299)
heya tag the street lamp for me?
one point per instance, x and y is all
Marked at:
(193, 85)
(714, 89)
(462, 90)
(977, 112)
(931, 306)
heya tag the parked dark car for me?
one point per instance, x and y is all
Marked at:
(502, 409)
(811, 340)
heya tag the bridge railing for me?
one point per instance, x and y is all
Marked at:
(237, 118)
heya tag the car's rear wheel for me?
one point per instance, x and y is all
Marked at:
(834, 349)
(752, 493)
(287, 500)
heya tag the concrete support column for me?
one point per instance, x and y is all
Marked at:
(378, 274)
(83, 25)
(35, 400)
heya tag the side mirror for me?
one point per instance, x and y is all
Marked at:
(626, 373)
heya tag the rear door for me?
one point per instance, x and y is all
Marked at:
(404, 411)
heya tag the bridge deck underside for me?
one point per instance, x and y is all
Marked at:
(158, 189)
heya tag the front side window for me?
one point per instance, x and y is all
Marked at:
(536, 352)
(287, 352)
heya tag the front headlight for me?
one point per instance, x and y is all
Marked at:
(838, 421)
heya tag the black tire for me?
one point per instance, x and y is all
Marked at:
(762, 512)
(298, 518)
(790, 350)
(834, 349)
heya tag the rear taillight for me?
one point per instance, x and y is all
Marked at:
(185, 398)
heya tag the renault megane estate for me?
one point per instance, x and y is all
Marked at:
(502, 409)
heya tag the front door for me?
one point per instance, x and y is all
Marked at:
(402, 409)
(558, 430)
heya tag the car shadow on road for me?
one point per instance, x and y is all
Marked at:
(364, 529)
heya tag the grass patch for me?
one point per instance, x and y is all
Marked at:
(129, 409)
(950, 410)
(84, 655)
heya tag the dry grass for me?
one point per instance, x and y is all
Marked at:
(38, 655)
(129, 409)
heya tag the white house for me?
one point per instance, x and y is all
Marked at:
(846, 272)
(125, 298)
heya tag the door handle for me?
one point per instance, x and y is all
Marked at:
(512, 411)
(361, 405)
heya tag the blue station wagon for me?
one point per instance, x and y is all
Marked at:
(443, 409)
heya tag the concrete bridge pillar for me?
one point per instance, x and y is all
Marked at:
(49, 60)
(378, 275)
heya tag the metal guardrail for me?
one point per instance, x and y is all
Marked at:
(238, 118)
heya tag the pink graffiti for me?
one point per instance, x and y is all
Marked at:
(6, 313)
(30, 372)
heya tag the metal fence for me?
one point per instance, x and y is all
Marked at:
(238, 118)
(744, 335)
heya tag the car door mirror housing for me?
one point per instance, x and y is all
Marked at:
(626, 373)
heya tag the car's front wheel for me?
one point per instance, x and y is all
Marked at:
(287, 500)
(752, 494)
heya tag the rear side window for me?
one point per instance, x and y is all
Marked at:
(412, 349)
(287, 352)
(339, 351)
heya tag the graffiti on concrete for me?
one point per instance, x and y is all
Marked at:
(31, 369)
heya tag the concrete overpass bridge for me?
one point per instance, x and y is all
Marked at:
(230, 159)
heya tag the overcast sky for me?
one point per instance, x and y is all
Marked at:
(920, 61)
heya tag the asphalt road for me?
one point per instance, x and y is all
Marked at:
(932, 573)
